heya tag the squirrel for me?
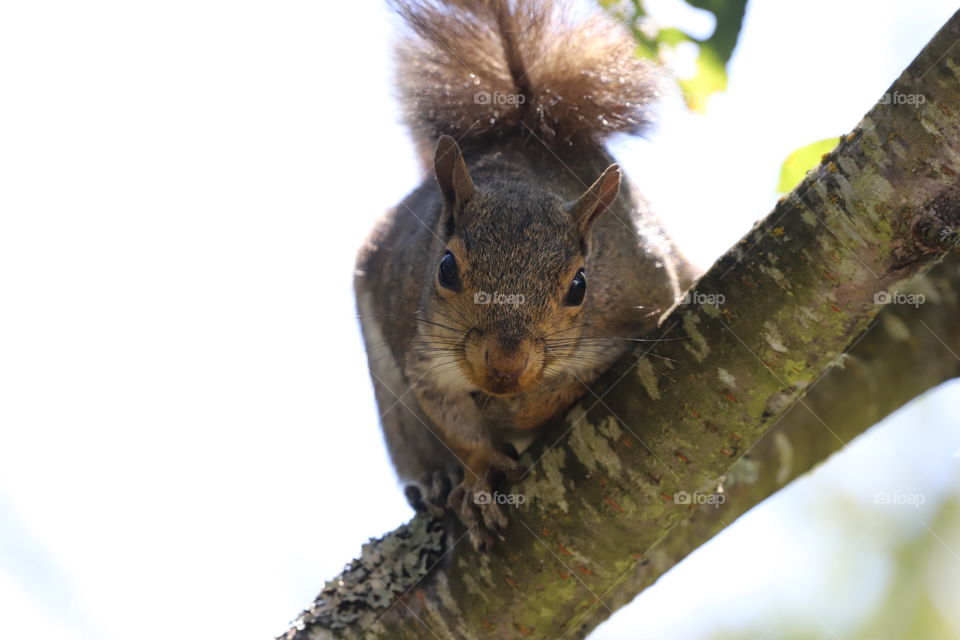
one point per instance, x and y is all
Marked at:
(496, 292)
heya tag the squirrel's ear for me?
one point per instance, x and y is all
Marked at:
(452, 174)
(597, 199)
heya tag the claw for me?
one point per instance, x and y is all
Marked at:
(473, 502)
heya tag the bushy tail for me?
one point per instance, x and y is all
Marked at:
(484, 69)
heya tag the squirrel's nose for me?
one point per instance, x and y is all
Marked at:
(506, 360)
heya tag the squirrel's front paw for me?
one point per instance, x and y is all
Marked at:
(474, 501)
(511, 468)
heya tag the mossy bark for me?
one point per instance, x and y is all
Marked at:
(669, 447)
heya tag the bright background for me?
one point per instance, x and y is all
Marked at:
(188, 439)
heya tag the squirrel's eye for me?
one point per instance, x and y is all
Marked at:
(578, 289)
(448, 274)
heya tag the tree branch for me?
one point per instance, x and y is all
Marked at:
(683, 419)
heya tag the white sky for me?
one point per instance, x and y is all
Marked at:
(187, 429)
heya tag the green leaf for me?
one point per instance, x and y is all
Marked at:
(714, 52)
(729, 14)
(800, 161)
(710, 78)
(672, 37)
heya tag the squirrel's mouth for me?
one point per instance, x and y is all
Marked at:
(501, 388)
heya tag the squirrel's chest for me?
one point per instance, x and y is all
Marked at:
(530, 410)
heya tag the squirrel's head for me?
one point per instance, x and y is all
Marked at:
(509, 286)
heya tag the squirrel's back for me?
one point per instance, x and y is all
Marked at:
(485, 71)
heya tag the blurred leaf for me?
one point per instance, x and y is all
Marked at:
(672, 37)
(802, 160)
(710, 78)
(714, 52)
(729, 16)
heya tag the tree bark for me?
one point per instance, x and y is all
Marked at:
(669, 447)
